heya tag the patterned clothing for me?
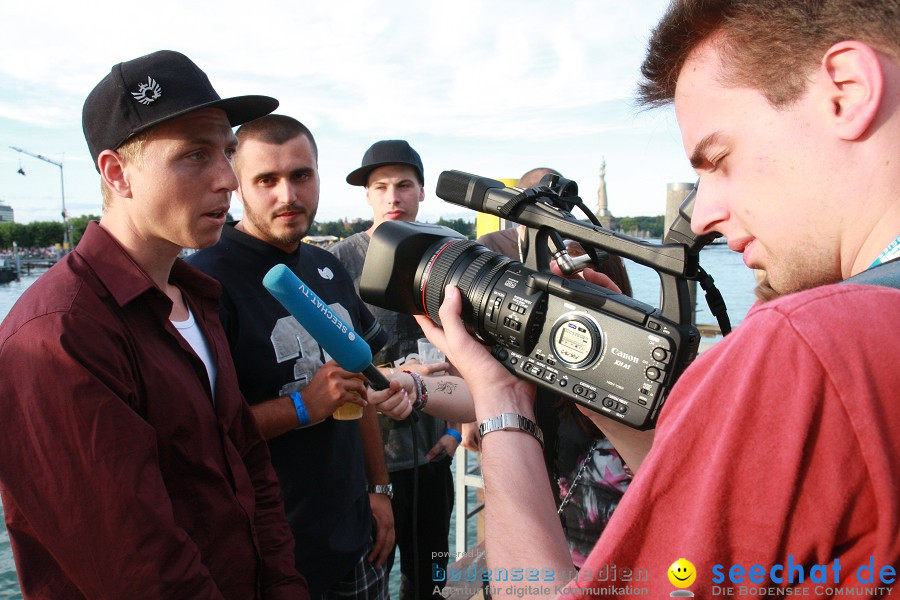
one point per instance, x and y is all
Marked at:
(364, 582)
(590, 501)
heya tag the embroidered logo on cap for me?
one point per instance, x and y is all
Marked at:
(147, 92)
(326, 273)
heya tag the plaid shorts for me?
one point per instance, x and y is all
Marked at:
(364, 582)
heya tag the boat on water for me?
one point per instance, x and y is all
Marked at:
(8, 271)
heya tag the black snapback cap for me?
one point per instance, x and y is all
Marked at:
(146, 91)
(383, 153)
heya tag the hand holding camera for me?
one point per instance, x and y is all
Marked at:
(590, 344)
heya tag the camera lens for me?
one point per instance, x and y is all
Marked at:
(469, 266)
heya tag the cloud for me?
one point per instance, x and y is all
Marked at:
(525, 79)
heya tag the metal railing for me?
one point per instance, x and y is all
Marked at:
(467, 476)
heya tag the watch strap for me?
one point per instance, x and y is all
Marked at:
(513, 422)
(386, 489)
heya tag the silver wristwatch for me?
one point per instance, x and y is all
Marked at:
(511, 421)
(387, 490)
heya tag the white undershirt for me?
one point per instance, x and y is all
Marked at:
(194, 336)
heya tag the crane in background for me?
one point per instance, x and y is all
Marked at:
(62, 186)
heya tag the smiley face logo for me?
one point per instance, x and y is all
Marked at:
(682, 573)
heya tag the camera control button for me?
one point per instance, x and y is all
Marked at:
(501, 354)
(652, 373)
(563, 382)
(609, 403)
(533, 369)
(512, 323)
(591, 395)
(660, 354)
(493, 309)
(513, 360)
(550, 376)
(578, 389)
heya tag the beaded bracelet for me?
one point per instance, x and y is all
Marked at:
(421, 391)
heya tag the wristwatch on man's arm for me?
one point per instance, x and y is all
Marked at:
(512, 422)
(386, 489)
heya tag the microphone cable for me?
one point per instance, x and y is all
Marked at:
(413, 419)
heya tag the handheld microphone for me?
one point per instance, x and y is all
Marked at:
(343, 344)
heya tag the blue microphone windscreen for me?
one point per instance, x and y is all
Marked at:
(344, 345)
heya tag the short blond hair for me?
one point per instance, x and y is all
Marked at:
(131, 151)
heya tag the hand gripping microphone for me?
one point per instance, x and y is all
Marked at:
(343, 344)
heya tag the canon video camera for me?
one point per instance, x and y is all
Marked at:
(598, 348)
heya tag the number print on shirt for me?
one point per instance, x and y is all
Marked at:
(291, 341)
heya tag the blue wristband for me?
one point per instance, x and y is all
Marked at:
(454, 434)
(300, 409)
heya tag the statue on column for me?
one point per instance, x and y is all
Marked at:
(606, 218)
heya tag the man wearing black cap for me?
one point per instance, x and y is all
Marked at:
(392, 174)
(130, 465)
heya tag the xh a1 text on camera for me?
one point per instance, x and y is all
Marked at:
(601, 349)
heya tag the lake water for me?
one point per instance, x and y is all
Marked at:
(733, 279)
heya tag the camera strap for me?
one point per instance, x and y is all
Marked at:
(886, 274)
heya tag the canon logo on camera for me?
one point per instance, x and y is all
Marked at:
(625, 355)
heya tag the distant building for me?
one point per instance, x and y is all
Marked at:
(323, 241)
(606, 218)
(6, 213)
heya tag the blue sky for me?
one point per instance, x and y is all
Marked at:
(491, 88)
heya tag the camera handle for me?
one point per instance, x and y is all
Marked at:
(540, 207)
(562, 195)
